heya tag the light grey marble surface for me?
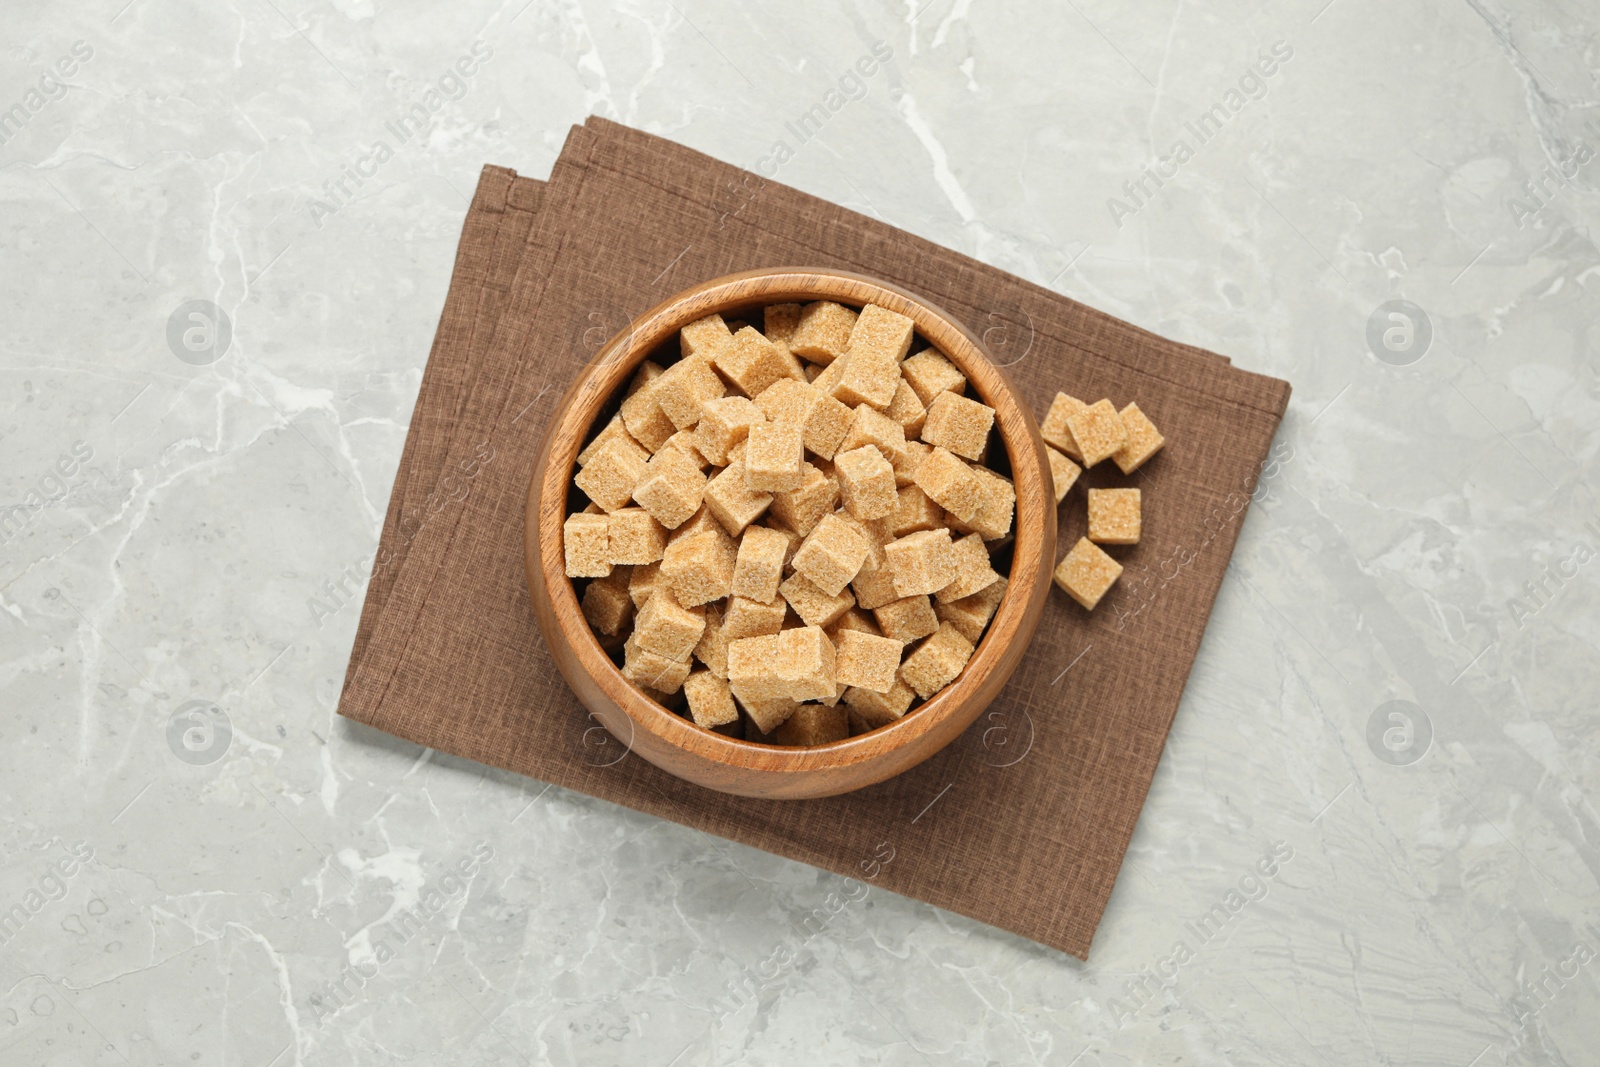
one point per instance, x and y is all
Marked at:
(174, 898)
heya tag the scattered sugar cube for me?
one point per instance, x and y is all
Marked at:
(774, 457)
(712, 649)
(704, 337)
(906, 473)
(606, 603)
(751, 618)
(822, 332)
(806, 663)
(813, 724)
(823, 419)
(612, 473)
(951, 484)
(883, 335)
(778, 322)
(1055, 430)
(1063, 473)
(866, 378)
(866, 482)
(869, 710)
(801, 509)
(672, 488)
(937, 662)
(684, 386)
(831, 555)
(767, 715)
(685, 441)
(635, 537)
(1098, 431)
(815, 606)
(645, 668)
(643, 417)
(998, 502)
(1144, 440)
(875, 588)
(854, 619)
(643, 582)
(753, 670)
(907, 409)
(724, 422)
(751, 362)
(973, 570)
(710, 700)
(907, 619)
(701, 521)
(866, 661)
(585, 539)
(828, 378)
(914, 510)
(759, 567)
(668, 628)
(1114, 516)
(699, 569)
(647, 372)
(729, 497)
(923, 562)
(1087, 572)
(971, 614)
(871, 427)
(958, 424)
(929, 373)
(613, 431)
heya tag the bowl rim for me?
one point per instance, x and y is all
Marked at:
(608, 372)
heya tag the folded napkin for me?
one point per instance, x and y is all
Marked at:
(1022, 823)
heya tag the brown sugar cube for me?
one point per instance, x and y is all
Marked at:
(751, 618)
(906, 473)
(929, 374)
(613, 431)
(1098, 431)
(998, 506)
(908, 619)
(875, 588)
(729, 497)
(1086, 573)
(766, 716)
(831, 555)
(751, 362)
(606, 604)
(1114, 516)
(1054, 428)
(704, 337)
(914, 510)
(774, 457)
(812, 724)
(870, 710)
(671, 489)
(643, 583)
(866, 482)
(701, 521)
(951, 484)
(793, 539)
(710, 701)
(907, 409)
(685, 441)
(585, 539)
(854, 619)
(973, 570)
(1063, 473)
(873, 532)
(684, 386)
(813, 372)
(753, 669)
(971, 614)
(801, 509)
(635, 537)
(759, 566)
(1144, 440)
(937, 662)
(778, 322)
(882, 334)
(958, 424)
(865, 661)
(612, 473)
(829, 377)
(871, 427)
(699, 569)
(651, 669)
(923, 562)
(822, 332)
(724, 422)
(643, 417)
(814, 606)
(805, 663)
(668, 628)
(823, 418)
(712, 649)
(866, 378)
(648, 371)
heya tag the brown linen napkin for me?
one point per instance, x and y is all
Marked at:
(1023, 822)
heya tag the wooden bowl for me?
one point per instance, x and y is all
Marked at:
(713, 760)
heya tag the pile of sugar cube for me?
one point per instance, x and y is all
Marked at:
(793, 532)
(1078, 433)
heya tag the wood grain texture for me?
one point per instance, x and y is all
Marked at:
(733, 766)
